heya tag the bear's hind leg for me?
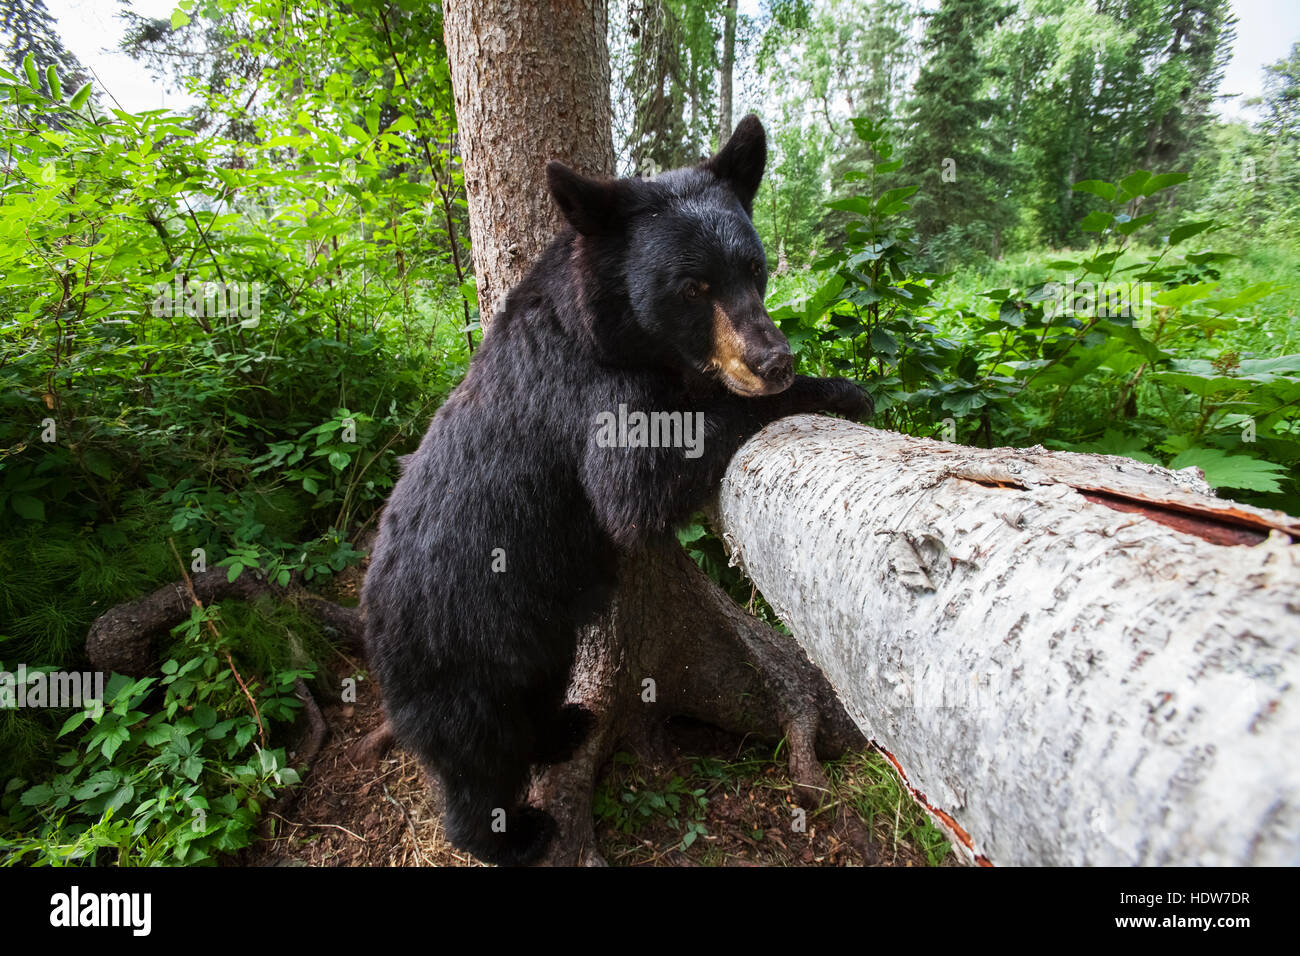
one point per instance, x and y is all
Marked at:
(561, 732)
(485, 817)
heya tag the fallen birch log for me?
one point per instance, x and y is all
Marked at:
(1071, 659)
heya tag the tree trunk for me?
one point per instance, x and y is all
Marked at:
(531, 83)
(1073, 659)
(669, 623)
(728, 65)
(674, 644)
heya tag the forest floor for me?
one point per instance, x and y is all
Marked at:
(720, 801)
(717, 805)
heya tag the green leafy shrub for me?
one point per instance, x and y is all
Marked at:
(169, 770)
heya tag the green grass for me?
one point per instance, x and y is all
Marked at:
(673, 808)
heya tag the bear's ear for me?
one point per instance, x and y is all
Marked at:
(590, 205)
(740, 162)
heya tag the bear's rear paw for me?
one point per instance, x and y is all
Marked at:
(573, 724)
(526, 839)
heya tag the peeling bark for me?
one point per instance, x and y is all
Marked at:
(1071, 659)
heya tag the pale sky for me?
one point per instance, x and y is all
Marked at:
(1266, 29)
(91, 29)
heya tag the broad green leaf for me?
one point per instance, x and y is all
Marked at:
(1132, 184)
(820, 300)
(1114, 442)
(1096, 221)
(120, 797)
(469, 289)
(1162, 181)
(79, 98)
(1135, 340)
(1224, 470)
(892, 197)
(204, 715)
(1189, 229)
(1201, 258)
(1181, 295)
(859, 204)
(99, 783)
(1245, 297)
(883, 341)
(33, 509)
(1133, 225)
(1201, 385)
(97, 463)
(113, 739)
(37, 795)
(73, 722)
(1268, 369)
(1097, 187)
(1103, 264)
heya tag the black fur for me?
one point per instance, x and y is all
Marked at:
(474, 662)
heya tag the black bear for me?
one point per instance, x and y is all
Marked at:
(502, 536)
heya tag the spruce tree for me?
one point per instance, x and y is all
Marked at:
(964, 203)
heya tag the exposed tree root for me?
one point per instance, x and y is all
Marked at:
(672, 644)
(312, 742)
(372, 748)
(121, 639)
(675, 644)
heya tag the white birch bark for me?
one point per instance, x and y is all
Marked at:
(1060, 681)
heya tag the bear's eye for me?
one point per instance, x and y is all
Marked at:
(756, 267)
(694, 290)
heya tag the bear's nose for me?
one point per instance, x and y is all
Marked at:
(777, 367)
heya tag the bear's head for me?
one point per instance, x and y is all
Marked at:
(690, 260)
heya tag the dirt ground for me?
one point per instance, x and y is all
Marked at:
(719, 806)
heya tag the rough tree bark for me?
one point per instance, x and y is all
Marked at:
(1073, 659)
(669, 625)
(121, 639)
(521, 102)
(531, 82)
(727, 68)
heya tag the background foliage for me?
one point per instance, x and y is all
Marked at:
(1015, 222)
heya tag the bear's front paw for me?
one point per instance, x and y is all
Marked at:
(848, 399)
